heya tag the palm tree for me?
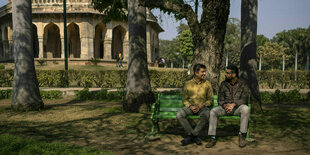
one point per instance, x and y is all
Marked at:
(26, 94)
(138, 88)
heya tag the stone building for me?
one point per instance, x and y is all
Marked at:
(87, 36)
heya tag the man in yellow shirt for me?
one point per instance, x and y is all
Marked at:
(197, 98)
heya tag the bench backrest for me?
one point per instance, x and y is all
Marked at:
(172, 103)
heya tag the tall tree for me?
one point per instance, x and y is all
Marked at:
(272, 53)
(208, 33)
(232, 41)
(248, 64)
(138, 88)
(261, 40)
(26, 93)
(186, 46)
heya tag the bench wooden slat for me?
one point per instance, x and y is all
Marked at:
(171, 105)
(172, 101)
(169, 109)
(170, 97)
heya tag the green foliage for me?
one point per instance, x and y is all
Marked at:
(111, 9)
(232, 41)
(272, 53)
(94, 61)
(6, 77)
(52, 94)
(10, 144)
(297, 41)
(41, 62)
(186, 45)
(283, 80)
(159, 79)
(290, 97)
(2, 67)
(51, 78)
(5, 94)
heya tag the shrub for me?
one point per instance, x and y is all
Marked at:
(266, 97)
(5, 94)
(94, 61)
(52, 94)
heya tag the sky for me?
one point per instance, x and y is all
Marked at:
(273, 16)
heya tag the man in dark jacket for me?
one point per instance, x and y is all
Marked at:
(232, 99)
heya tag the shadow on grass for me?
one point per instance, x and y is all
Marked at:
(106, 126)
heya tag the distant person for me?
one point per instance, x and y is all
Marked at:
(197, 98)
(120, 57)
(232, 99)
(163, 62)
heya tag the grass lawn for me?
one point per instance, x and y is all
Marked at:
(98, 127)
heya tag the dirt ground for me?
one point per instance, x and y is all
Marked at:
(105, 126)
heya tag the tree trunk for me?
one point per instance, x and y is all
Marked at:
(296, 55)
(208, 40)
(183, 63)
(260, 63)
(139, 94)
(248, 64)
(307, 65)
(26, 93)
(283, 64)
(171, 64)
(226, 59)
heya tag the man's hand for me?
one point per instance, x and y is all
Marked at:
(194, 108)
(229, 107)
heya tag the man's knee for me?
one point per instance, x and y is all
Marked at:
(205, 114)
(181, 114)
(213, 113)
(245, 109)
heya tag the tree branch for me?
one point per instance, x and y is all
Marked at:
(178, 8)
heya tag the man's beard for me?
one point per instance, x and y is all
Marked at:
(228, 79)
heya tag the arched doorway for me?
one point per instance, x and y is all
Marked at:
(51, 41)
(74, 43)
(35, 41)
(100, 31)
(117, 40)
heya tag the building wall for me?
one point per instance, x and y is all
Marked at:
(83, 42)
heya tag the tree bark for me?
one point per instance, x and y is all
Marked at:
(139, 94)
(296, 58)
(248, 64)
(283, 63)
(208, 34)
(307, 65)
(260, 63)
(26, 93)
(208, 39)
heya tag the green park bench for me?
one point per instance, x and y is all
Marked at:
(167, 106)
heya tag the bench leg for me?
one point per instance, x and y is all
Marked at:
(155, 127)
(248, 134)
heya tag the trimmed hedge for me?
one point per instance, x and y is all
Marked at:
(52, 94)
(292, 97)
(284, 80)
(159, 79)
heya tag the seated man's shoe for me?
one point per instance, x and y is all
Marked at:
(187, 140)
(197, 140)
(211, 143)
(242, 141)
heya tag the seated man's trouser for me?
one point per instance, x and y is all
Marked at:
(242, 110)
(204, 117)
